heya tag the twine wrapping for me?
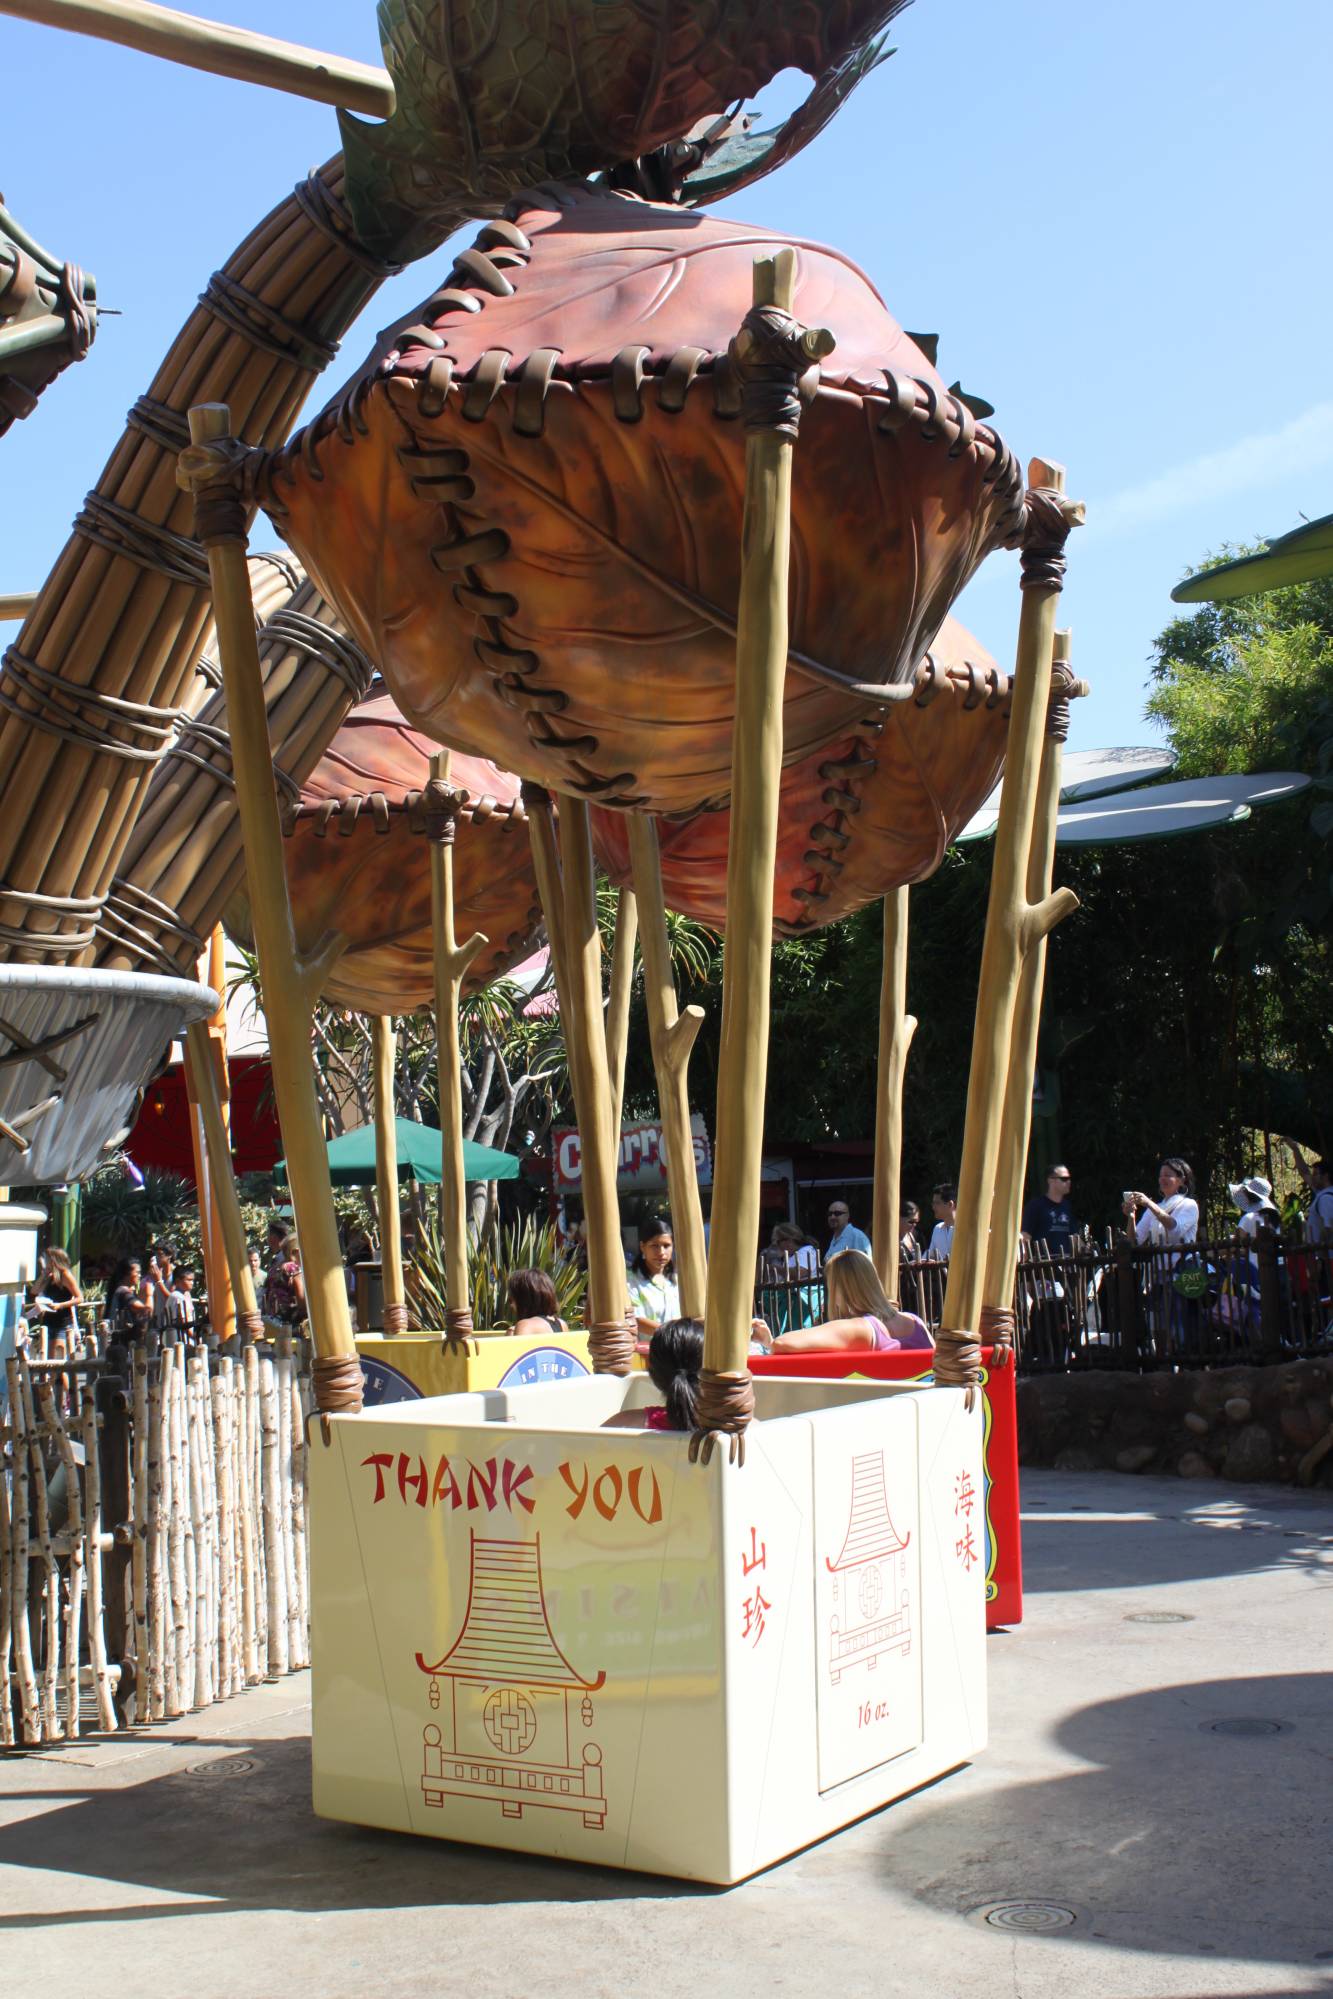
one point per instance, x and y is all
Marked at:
(611, 1346)
(1047, 519)
(998, 1326)
(726, 1408)
(395, 1319)
(338, 1385)
(958, 1363)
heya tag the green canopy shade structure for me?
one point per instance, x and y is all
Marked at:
(352, 1158)
(1299, 557)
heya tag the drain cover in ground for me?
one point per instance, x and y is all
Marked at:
(1159, 1617)
(1240, 1724)
(225, 1766)
(1032, 1918)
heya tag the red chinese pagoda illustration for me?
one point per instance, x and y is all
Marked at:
(871, 1588)
(509, 1728)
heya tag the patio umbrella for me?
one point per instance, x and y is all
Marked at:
(352, 1157)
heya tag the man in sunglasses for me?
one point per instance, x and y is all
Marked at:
(1049, 1218)
(844, 1235)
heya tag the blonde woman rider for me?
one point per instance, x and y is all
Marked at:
(861, 1316)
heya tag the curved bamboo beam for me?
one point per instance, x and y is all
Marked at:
(896, 1028)
(672, 1034)
(121, 616)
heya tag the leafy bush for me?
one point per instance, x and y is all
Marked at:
(527, 1245)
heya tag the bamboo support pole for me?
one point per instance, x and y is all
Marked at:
(249, 1606)
(610, 1342)
(49, 1683)
(618, 999)
(58, 1432)
(20, 1598)
(1012, 922)
(672, 1035)
(157, 1535)
(254, 1496)
(15, 605)
(896, 1028)
(284, 1366)
(198, 1572)
(385, 1045)
(451, 960)
(92, 1516)
(204, 1057)
(290, 983)
(125, 620)
(219, 49)
(6, 1613)
(769, 353)
(271, 1487)
(997, 1296)
(139, 1541)
(226, 1532)
(301, 1618)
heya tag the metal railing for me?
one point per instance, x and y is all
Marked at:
(1120, 1304)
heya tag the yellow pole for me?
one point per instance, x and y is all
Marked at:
(770, 353)
(672, 1034)
(203, 1058)
(997, 1319)
(610, 1340)
(210, 468)
(452, 960)
(618, 999)
(1012, 922)
(385, 1048)
(896, 1028)
(217, 1269)
(220, 49)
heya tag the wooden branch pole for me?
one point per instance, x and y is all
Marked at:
(16, 606)
(210, 467)
(452, 960)
(222, 1242)
(218, 48)
(617, 1005)
(385, 1046)
(610, 1342)
(896, 1028)
(997, 1296)
(673, 1035)
(201, 1063)
(770, 353)
(1012, 921)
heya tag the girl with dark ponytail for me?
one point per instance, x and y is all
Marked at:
(675, 1356)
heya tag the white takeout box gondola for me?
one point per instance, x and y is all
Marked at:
(534, 1632)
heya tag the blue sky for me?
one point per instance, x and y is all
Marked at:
(1112, 215)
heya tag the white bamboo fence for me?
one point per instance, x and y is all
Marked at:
(199, 1590)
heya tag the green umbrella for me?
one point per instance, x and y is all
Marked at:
(352, 1157)
(1298, 557)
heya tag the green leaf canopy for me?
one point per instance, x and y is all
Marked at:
(1299, 557)
(352, 1157)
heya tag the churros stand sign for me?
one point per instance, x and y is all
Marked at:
(642, 1166)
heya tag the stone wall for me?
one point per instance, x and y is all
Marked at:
(1270, 1423)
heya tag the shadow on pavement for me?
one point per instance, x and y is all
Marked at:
(1061, 1552)
(1181, 1837)
(240, 1834)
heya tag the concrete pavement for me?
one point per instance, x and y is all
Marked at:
(1155, 1799)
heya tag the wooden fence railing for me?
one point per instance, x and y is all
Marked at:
(152, 1535)
(1117, 1304)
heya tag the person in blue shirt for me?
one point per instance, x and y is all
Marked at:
(1049, 1218)
(845, 1236)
